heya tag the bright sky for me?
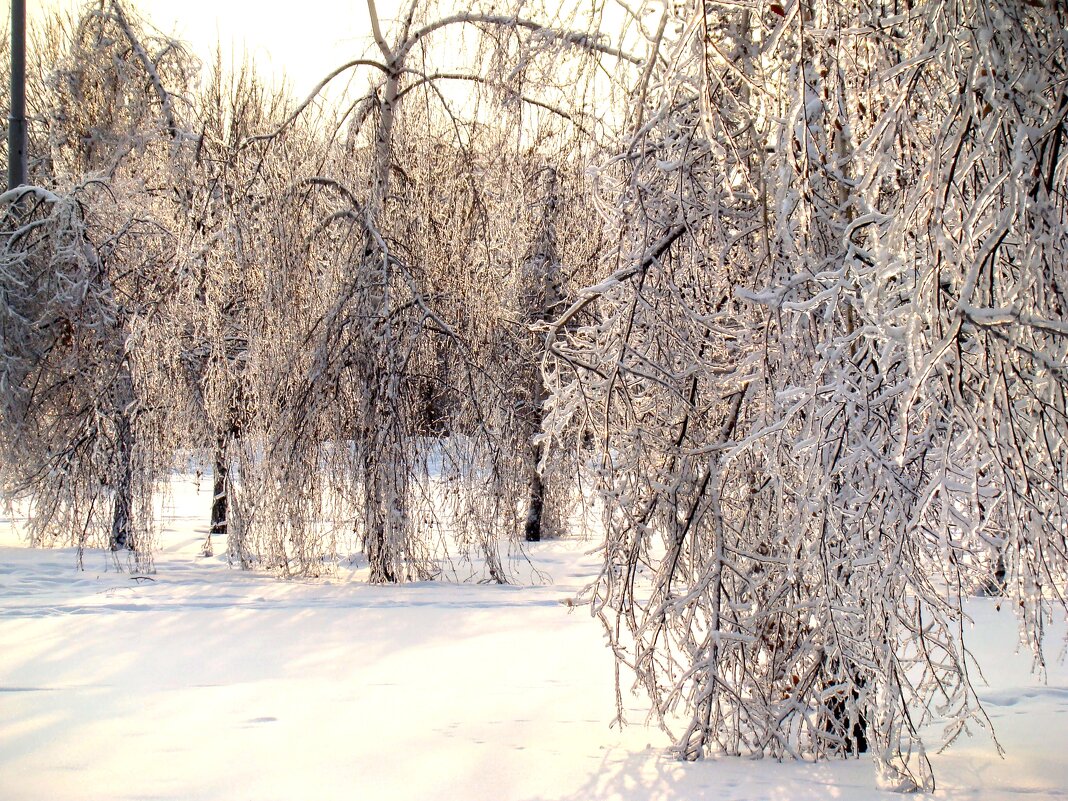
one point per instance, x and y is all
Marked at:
(303, 40)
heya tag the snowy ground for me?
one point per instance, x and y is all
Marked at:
(210, 683)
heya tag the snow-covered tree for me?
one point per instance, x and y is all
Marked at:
(218, 302)
(354, 394)
(84, 265)
(828, 370)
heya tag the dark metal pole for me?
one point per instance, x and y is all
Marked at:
(16, 132)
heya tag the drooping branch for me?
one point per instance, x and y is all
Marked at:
(580, 40)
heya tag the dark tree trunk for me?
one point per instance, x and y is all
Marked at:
(219, 497)
(122, 514)
(852, 727)
(543, 300)
(382, 477)
(536, 501)
(378, 556)
(856, 738)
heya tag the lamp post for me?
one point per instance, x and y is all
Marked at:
(16, 132)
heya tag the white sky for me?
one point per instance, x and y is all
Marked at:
(304, 40)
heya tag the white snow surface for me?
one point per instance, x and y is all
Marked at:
(206, 682)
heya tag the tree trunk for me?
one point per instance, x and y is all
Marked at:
(122, 514)
(219, 492)
(383, 465)
(219, 497)
(536, 502)
(543, 278)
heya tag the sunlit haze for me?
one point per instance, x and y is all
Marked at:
(302, 41)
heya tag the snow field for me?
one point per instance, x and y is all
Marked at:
(208, 683)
